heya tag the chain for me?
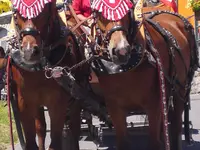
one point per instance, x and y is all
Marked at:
(58, 71)
(87, 60)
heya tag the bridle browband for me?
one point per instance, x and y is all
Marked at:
(29, 31)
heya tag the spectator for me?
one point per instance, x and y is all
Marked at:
(2, 71)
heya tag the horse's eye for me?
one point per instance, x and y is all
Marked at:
(19, 16)
(24, 19)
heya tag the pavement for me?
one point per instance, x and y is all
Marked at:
(139, 137)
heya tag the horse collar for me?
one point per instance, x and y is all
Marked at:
(107, 67)
(17, 61)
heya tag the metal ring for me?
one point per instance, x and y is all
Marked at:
(48, 70)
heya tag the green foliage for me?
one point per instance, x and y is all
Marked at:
(194, 5)
(5, 6)
(5, 127)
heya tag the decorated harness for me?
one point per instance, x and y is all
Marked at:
(111, 10)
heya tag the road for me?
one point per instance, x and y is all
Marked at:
(140, 138)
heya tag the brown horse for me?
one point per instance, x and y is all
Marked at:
(138, 88)
(42, 38)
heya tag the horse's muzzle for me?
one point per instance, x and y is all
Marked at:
(32, 53)
(122, 55)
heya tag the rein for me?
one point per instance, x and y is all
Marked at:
(8, 79)
(80, 24)
(12, 101)
(96, 49)
(163, 98)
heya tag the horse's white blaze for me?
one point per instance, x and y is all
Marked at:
(117, 44)
(86, 53)
(28, 46)
(123, 43)
(111, 46)
(22, 52)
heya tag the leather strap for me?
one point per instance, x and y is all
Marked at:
(78, 21)
(138, 13)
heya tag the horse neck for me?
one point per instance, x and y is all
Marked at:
(55, 31)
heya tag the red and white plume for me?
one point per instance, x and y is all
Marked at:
(170, 3)
(112, 9)
(29, 8)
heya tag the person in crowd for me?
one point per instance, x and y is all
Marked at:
(2, 71)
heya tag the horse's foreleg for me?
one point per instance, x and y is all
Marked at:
(28, 123)
(40, 128)
(57, 117)
(176, 125)
(118, 117)
(74, 125)
(154, 117)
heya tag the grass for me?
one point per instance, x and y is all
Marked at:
(5, 127)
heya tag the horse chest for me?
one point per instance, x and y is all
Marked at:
(132, 86)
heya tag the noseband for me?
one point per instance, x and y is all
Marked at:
(114, 29)
(29, 31)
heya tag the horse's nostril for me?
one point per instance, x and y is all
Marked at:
(36, 50)
(123, 52)
(129, 49)
(114, 51)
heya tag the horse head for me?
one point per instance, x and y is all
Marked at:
(113, 20)
(35, 27)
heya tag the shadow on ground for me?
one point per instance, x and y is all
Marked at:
(140, 140)
(194, 146)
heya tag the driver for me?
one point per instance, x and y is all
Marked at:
(82, 9)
